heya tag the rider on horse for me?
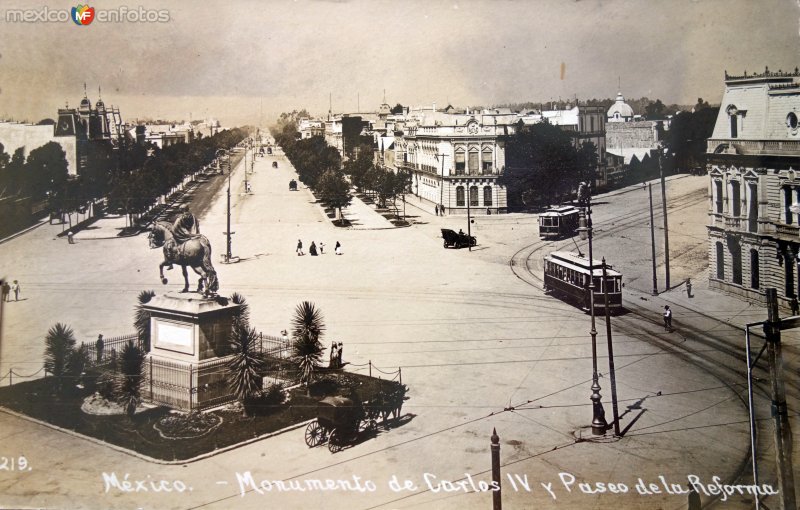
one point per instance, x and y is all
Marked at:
(185, 226)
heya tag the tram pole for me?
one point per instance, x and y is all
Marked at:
(666, 226)
(653, 240)
(599, 423)
(611, 370)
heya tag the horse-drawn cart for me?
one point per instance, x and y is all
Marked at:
(340, 421)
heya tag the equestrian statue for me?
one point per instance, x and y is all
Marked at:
(184, 245)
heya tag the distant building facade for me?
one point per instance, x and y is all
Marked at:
(455, 160)
(753, 162)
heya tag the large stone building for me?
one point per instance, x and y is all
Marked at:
(453, 158)
(754, 187)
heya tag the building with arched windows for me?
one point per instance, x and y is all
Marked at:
(456, 159)
(753, 161)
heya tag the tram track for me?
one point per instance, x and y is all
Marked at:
(711, 350)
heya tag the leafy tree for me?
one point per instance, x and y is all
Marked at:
(58, 349)
(141, 321)
(131, 362)
(687, 137)
(541, 165)
(45, 170)
(397, 110)
(334, 191)
(655, 110)
(586, 163)
(307, 328)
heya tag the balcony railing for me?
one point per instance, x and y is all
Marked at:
(756, 147)
(787, 230)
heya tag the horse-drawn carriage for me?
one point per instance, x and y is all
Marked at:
(274, 164)
(457, 239)
(292, 185)
(340, 421)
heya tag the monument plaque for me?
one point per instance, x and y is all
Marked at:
(190, 340)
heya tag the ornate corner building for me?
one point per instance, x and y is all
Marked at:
(753, 161)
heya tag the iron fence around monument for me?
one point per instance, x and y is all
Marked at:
(110, 350)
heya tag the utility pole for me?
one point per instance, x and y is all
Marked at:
(441, 186)
(497, 502)
(611, 371)
(469, 222)
(653, 240)
(666, 226)
(783, 432)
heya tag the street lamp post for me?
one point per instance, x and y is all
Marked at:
(441, 187)
(599, 424)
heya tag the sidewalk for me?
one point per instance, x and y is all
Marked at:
(363, 217)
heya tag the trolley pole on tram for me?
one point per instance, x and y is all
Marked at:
(599, 424)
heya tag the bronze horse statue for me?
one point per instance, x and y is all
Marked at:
(195, 253)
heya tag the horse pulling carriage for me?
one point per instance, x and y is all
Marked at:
(340, 421)
(292, 185)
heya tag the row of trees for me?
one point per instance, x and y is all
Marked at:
(146, 173)
(544, 167)
(133, 178)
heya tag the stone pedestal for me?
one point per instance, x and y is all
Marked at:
(189, 348)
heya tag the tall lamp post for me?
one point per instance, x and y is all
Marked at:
(599, 424)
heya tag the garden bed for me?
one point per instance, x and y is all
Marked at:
(159, 432)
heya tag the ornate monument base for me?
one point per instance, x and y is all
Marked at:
(189, 348)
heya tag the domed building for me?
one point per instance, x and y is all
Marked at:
(620, 111)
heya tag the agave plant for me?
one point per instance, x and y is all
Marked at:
(307, 328)
(142, 318)
(246, 365)
(131, 362)
(58, 351)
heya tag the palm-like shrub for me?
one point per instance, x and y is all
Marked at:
(58, 351)
(307, 328)
(131, 361)
(246, 365)
(141, 320)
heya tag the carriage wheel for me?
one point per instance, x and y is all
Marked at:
(315, 434)
(334, 441)
(445, 244)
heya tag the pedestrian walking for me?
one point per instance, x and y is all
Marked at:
(338, 248)
(667, 318)
(689, 288)
(312, 250)
(16, 290)
(99, 347)
(795, 306)
(70, 237)
(436, 209)
(6, 288)
(339, 354)
(334, 356)
(321, 248)
(299, 247)
(441, 210)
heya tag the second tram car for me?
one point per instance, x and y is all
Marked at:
(567, 275)
(558, 222)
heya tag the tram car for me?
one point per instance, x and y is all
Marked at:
(558, 222)
(567, 276)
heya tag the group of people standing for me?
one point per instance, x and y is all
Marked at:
(438, 209)
(336, 355)
(8, 288)
(313, 250)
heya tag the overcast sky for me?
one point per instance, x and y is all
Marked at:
(234, 60)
